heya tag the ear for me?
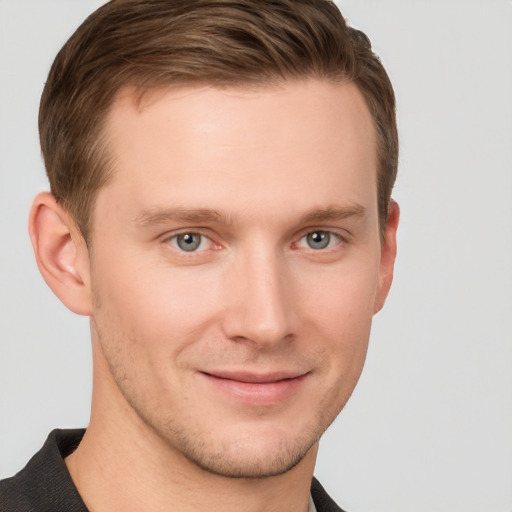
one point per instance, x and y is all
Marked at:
(387, 257)
(61, 253)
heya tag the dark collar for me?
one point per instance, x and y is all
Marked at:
(45, 485)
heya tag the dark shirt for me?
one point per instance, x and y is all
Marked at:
(45, 485)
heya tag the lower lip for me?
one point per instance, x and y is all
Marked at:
(257, 393)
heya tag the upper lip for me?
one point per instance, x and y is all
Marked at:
(256, 377)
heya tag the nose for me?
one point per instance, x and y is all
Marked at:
(259, 308)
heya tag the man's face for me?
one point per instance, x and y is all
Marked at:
(236, 266)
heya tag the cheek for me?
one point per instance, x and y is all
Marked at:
(156, 307)
(342, 320)
(338, 309)
(341, 298)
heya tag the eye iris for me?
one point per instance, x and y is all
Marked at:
(318, 239)
(188, 241)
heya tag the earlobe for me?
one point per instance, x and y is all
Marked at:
(388, 255)
(61, 253)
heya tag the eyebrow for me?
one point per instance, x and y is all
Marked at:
(334, 213)
(185, 215)
(207, 215)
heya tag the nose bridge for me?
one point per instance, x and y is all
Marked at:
(260, 308)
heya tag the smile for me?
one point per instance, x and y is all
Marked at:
(256, 389)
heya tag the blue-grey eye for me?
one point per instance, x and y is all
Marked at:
(189, 242)
(318, 239)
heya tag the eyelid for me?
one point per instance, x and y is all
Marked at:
(341, 233)
(342, 236)
(168, 237)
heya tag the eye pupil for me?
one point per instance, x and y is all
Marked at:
(188, 241)
(318, 239)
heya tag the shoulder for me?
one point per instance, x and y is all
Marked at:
(12, 496)
(323, 502)
(44, 484)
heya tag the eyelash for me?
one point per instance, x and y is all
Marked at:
(174, 241)
(324, 232)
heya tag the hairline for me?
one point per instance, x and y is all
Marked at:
(105, 157)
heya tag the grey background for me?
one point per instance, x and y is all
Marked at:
(429, 427)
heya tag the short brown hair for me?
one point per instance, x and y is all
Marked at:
(158, 43)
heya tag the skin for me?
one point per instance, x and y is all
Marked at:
(217, 370)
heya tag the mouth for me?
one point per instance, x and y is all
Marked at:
(257, 388)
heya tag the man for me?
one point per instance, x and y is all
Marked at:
(220, 208)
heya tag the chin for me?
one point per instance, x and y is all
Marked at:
(246, 462)
(252, 455)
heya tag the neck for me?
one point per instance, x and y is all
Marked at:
(122, 464)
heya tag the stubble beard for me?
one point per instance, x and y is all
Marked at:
(236, 461)
(229, 458)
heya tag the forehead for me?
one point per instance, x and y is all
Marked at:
(208, 145)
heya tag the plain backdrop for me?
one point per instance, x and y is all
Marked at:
(429, 427)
